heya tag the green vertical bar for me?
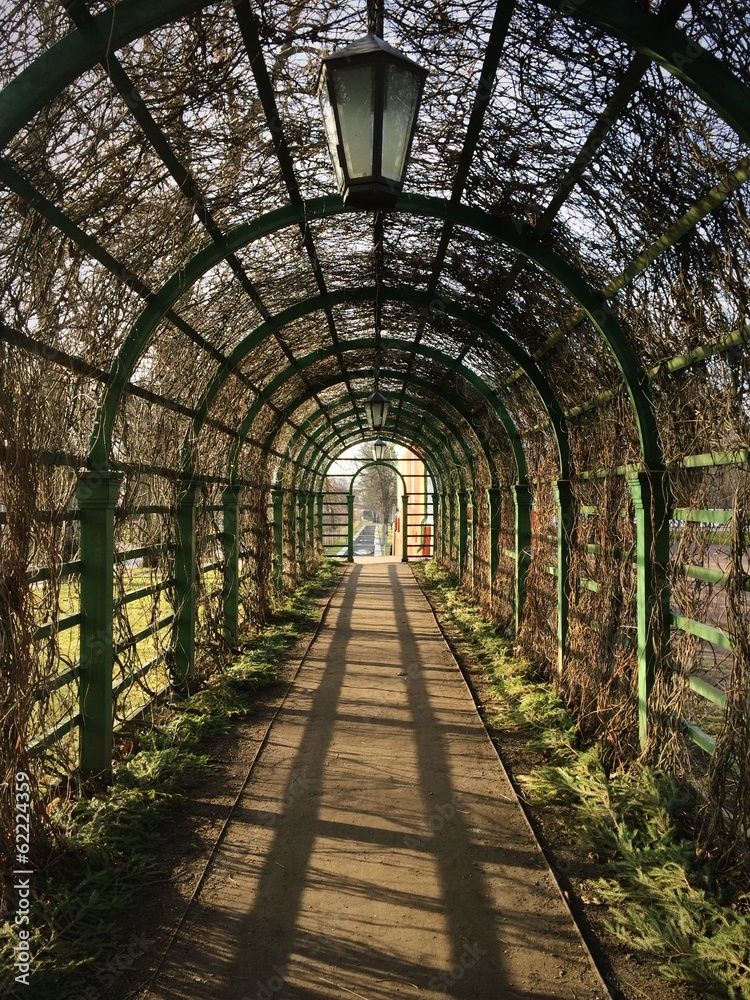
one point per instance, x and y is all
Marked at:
(472, 550)
(451, 526)
(463, 531)
(302, 531)
(185, 576)
(435, 519)
(311, 542)
(278, 539)
(97, 494)
(522, 501)
(405, 526)
(350, 527)
(565, 536)
(293, 529)
(494, 504)
(443, 526)
(321, 547)
(649, 491)
(230, 499)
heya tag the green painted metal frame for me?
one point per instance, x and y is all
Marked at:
(347, 415)
(436, 442)
(78, 51)
(351, 428)
(427, 303)
(369, 343)
(594, 304)
(330, 381)
(97, 495)
(230, 499)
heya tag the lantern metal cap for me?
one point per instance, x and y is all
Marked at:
(370, 44)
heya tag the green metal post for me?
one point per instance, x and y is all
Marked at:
(312, 547)
(565, 535)
(321, 547)
(405, 528)
(650, 493)
(522, 501)
(463, 531)
(293, 529)
(350, 527)
(230, 500)
(443, 526)
(494, 505)
(185, 577)
(301, 500)
(278, 539)
(436, 510)
(451, 525)
(97, 494)
(471, 507)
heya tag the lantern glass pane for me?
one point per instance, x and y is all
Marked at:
(329, 120)
(401, 100)
(354, 88)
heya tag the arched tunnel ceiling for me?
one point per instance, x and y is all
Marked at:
(575, 216)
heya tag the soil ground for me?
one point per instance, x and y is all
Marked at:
(364, 840)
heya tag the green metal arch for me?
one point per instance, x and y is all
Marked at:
(437, 445)
(313, 418)
(426, 301)
(454, 404)
(79, 50)
(591, 301)
(433, 445)
(428, 445)
(315, 357)
(369, 465)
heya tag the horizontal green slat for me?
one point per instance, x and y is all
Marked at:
(153, 510)
(590, 585)
(702, 516)
(60, 680)
(124, 683)
(146, 550)
(137, 595)
(67, 569)
(696, 734)
(706, 632)
(509, 553)
(144, 634)
(708, 691)
(69, 621)
(714, 458)
(54, 734)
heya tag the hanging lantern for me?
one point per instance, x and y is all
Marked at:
(377, 411)
(380, 450)
(370, 95)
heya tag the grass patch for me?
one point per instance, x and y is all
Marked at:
(662, 897)
(106, 853)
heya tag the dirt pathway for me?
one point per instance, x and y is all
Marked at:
(378, 851)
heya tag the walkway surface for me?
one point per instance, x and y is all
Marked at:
(378, 850)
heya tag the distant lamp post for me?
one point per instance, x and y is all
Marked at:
(377, 411)
(370, 95)
(380, 450)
